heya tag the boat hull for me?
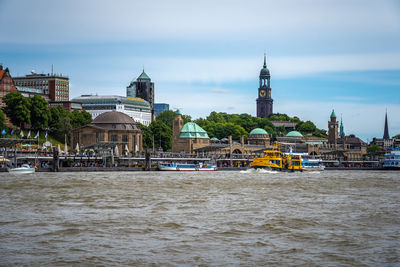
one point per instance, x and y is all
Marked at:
(22, 170)
(185, 167)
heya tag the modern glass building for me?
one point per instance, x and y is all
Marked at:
(160, 107)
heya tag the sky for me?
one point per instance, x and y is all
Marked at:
(206, 56)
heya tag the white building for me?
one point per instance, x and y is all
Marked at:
(137, 108)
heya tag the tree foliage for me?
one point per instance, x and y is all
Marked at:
(396, 136)
(17, 108)
(2, 120)
(374, 149)
(40, 113)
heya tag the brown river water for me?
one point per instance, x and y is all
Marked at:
(331, 218)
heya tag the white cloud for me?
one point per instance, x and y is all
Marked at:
(44, 21)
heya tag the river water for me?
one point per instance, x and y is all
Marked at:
(329, 218)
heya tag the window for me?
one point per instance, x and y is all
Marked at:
(114, 126)
(114, 138)
(124, 138)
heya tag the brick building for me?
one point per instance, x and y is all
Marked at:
(6, 83)
(54, 85)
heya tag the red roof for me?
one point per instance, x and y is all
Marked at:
(1, 74)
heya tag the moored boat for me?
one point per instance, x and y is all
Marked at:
(309, 163)
(275, 160)
(24, 169)
(392, 159)
(173, 166)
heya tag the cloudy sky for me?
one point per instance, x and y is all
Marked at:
(206, 55)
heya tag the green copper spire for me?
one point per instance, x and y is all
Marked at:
(265, 59)
(341, 128)
(333, 115)
(178, 112)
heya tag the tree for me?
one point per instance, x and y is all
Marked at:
(17, 108)
(147, 135)
(168, 117)
(374, 149)
(79, 118)
(2, 120)
(396, 136)
(160, 134)
(40, 113)
(307, 127)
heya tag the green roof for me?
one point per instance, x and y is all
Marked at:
(192, 130)
(333, 115)
(178, 112)
(294, 134)
(258, 131)
(144, 76)
(214, 139)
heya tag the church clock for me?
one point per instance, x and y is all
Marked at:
(262, 93)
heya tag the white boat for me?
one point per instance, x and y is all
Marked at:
(309, 163)
(392, 159)
(185, 167)
(25, 168)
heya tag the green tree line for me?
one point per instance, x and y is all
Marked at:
(35, 113)
(222, 125)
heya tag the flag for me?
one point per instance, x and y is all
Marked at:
(12, 132)
(29, 134)
(3, 132)
(45, 136)
(37, 135)
(21, 133)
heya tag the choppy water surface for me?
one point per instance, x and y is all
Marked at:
(218, 218)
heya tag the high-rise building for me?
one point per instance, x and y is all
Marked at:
(54, 85)
(160, 107)
(264, 100)
(143, 88)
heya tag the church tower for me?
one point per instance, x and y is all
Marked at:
(386, 130)
(177, 125)
(333, 126)
(264, 100)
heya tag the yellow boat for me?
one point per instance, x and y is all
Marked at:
(275, 160)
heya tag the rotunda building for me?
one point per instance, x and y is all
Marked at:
(110, 128)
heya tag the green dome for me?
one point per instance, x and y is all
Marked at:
(214, 139)
(178, 112)
(264, 72)
(333, 115)
(294, 134)
(258, 131)
(192, 130)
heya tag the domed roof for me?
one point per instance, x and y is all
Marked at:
(294, 134)
(258, 131)
(264, 72)
(113, 117)
(192, 130)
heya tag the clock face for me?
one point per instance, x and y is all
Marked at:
(263, 93)
(332, 126)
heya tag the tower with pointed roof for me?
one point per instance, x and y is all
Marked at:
(386, 131)
(143, 88)
(264, 100)
(342, 135)
(333, 126)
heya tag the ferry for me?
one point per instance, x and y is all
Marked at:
(275, 160)
(186, 167)
(392, 159)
